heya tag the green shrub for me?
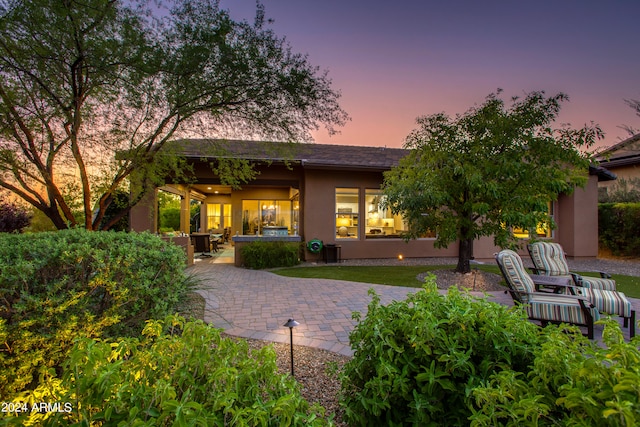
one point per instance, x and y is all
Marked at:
(169, 219)
(618, 225)
(270, 254)
(59, 286)
(622, 191)
(417, 361)
(437, 360)
(178, 373)
(573, 382)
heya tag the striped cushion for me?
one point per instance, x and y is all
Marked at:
(549, 257)
(558, 308)
(611, 302)
(518, 278)
(597, 283)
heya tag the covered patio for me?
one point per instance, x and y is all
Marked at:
(330, 193)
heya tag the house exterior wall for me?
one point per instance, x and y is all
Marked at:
(577, 220)
(576, 215)
(622, 172)
(319, 219)
(143, 216)
(485, 250)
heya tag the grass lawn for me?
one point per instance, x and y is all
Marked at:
(629, 285)
(406, 275)
(383, 275)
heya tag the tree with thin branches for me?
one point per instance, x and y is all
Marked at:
(92, 91)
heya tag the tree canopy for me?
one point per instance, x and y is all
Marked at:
(84, 80)
(488, 170)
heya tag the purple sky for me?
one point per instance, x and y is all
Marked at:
(395, 61)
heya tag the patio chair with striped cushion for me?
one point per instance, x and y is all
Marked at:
(542, 306)
(548, 258)
(610, 302)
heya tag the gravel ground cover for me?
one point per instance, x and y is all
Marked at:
(314, 370)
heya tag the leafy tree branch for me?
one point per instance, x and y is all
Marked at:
(91, 92)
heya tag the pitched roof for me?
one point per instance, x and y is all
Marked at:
(622, 153)
(308, 154)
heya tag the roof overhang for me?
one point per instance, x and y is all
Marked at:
(602, 173)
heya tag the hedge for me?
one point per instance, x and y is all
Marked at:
(618, 225)
(59, 286)
(270, 254)
(416, 361)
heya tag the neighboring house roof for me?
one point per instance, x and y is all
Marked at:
(624, 153)
(310, 155)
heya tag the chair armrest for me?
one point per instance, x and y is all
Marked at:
(562, 288)
(553, 281)
(580, 299)
(603, 275)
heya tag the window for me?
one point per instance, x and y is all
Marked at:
(381, 223)
(541, 231)
(295, 214)
(214, 217)
(261, 215)
(226, 215)
(347, 202)
(218, 216)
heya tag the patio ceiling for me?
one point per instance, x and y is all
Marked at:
(209, 189)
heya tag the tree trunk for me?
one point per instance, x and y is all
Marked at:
(464, 256)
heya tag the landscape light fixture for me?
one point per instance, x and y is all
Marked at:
(291, 324)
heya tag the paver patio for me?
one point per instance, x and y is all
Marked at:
(255, 304)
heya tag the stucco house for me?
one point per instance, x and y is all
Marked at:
(622, 159)
(332, 193)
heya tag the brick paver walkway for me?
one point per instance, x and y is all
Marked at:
(255, 304)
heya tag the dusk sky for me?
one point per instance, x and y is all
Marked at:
(395, 61)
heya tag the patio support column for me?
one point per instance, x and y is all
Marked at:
(185, 203)
(203, 218)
